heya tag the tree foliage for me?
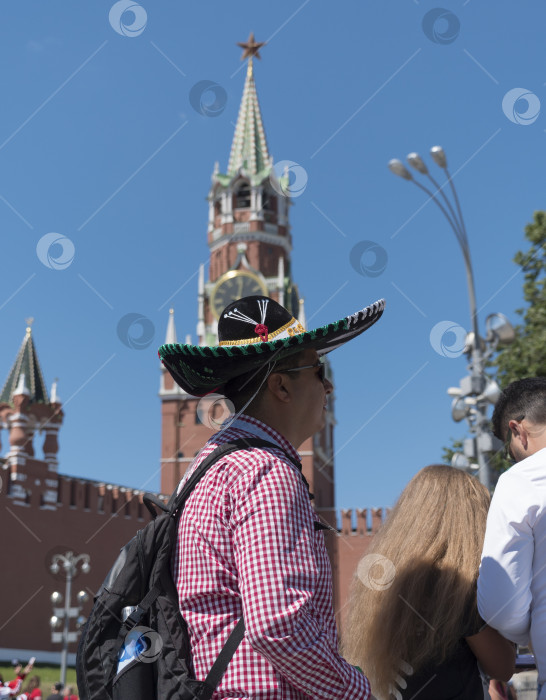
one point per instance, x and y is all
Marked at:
(526, 357)
(448, 452)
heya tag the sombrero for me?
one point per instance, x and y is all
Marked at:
(252, 332)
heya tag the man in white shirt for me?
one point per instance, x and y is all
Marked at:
(512, 580)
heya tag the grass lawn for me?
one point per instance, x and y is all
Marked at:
(48, 675)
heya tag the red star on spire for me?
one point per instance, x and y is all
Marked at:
(251, 47)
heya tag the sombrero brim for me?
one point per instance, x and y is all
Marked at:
(200, 370)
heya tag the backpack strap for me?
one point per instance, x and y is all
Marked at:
(178, 500)
(224, 657)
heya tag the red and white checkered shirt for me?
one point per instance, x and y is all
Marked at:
(247, 545)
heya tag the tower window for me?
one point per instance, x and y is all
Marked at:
(269, 203)
(242, 198)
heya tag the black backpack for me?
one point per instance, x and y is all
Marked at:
(147, 655)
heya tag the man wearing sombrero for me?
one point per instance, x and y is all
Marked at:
(249, 540)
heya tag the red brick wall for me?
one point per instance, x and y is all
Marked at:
(31, 535)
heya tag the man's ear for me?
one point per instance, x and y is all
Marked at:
(518, 432)
(279, 385)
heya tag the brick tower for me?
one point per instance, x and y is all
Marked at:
(250, 244)
(26, 411)
(44, 513)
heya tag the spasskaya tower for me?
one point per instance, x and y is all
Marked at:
(250, 245)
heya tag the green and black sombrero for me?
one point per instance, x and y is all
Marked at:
(252, 332)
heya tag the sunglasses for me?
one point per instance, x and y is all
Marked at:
(321, 374)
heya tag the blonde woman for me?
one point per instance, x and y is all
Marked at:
(413, 624)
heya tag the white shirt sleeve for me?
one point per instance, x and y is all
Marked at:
(504, 582)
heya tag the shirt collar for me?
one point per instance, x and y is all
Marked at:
(259, 429)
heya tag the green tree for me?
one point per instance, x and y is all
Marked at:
(526, 357)
(448, 452)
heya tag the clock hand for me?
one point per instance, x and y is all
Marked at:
(240, 291)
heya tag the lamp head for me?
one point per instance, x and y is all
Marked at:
(499, 327)
(56, 598)
(398, 168)
(492, 392)
(438, 156)
(470, 342)
(86, 568)
(415, 160)
(460, 461)
(459, 409)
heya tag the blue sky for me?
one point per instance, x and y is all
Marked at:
(100, 143)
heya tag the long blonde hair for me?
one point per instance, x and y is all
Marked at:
(416, 587)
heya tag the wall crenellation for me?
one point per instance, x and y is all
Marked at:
(52, 491)
(361, 521)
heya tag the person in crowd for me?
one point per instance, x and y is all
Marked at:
(32, 689)
(16, 684)
(413, 623)
(13, 687)
(70, 693)
(249, 541)
(512, 580)
(56, 693)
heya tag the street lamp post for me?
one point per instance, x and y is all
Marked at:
(69, 563)
(477, 390)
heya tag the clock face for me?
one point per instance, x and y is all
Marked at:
(232, 286)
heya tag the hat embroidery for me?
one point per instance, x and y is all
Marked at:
(260, 328)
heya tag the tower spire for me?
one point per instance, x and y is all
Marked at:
(26, 364)
(249, 148)
(201, 306)
(301, 315)
(170, 336)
